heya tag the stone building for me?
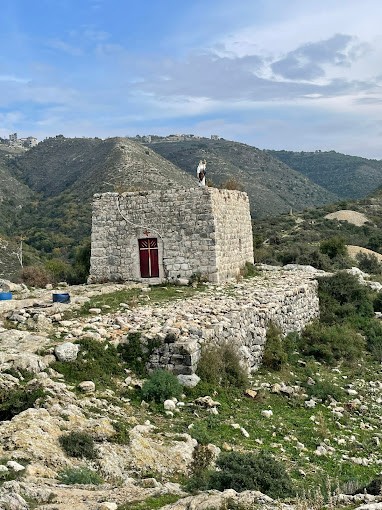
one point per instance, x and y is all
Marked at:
(166, 235)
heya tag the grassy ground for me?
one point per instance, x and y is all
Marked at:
(136, 297)
(293, 433)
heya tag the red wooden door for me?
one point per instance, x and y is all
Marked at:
(148, 257)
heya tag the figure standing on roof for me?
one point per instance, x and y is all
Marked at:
(201, 172)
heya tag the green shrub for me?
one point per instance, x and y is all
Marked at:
(333, 247)
(81, 264)
(152, 503)
(202, 457)
(161, 385)
(375, 243)
(78, 444)
(220, 365)
(248, 471)
(121, 435)
(314, 258)
(372, 330)
(58, 268)
(274, 356)
(324, 390)
(332, 343)
(368, 263)
(82, 475)
(16, 401)
(248, 270)
(202, 429)
(342, 296)
(96, 361)
(377, 304)
(135, 354)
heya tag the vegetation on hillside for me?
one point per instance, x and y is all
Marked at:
(345, 176)
(273, 188)
(310, 238)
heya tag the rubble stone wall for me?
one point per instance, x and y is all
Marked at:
(202, 230)
(242, 319)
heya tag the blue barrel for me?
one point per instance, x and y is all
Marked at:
(4, 296)
(61, 298)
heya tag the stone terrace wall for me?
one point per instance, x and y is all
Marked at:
(193, 227)
(233, 231)
(239, 315)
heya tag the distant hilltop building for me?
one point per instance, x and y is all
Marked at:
(174, 138)
(14, 141)
(169, 235)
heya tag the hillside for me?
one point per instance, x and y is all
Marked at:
(89, 165)
(13, 194)
(296, 238)
(63, 174)
(272, 187)
(345, 176)
(83, 424)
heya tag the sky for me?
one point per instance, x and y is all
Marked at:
(276, 74)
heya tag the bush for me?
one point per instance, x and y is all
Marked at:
(332, 343)
(220, 365)
(324, 390)
(368, 263)
(316, 259)
(247, 471)
(81, 265)
(248, 270)
(342, 296)
(96, 361)
(202, 457)
(58, 269)
(82, 475)
(377, 304)
(14, 402)
(78, 444)
(161, 385)
(232, 184)
(372, 329)
(135, 354)
(274, 356)
(36, 276)
(202, 429)
(333, 247)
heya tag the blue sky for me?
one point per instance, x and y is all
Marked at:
(282, 74)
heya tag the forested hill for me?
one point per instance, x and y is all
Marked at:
(88, 165)
(46, 192)
(272, 186)
(345, 176)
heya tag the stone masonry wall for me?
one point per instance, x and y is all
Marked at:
(240, 316)
(194, 227)
(234, 247)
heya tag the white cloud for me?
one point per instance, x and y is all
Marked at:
(14, 79)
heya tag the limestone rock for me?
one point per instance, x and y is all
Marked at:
(13, 502)
(107, 505)
(15, 466)
(189, 381)
(66, 352)
(148, 452)
(215, 500)
(207, 401)
(87, 386)
(169, 405)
